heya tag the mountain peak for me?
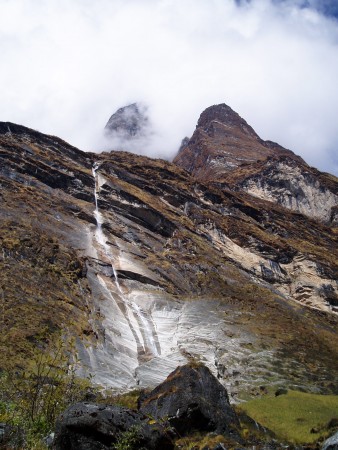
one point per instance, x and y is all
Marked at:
(225, 150)
(221, 143)
(225, 115)
(128, 122)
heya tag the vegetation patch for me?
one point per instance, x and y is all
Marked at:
(32, 399)
(199, 441)
(296, 417)
(128, 399)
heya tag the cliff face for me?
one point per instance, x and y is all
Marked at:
(148, 268)
(295, 186)
(224, 149)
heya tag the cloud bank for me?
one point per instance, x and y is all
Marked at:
(67, 65)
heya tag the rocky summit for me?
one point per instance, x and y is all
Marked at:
(128, 123)
(227, 257)
(226, 151)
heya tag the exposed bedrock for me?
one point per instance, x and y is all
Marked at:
(149, 268)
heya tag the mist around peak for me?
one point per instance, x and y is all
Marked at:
(274, 62)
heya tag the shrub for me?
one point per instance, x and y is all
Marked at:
(129, 440)
(31, 399)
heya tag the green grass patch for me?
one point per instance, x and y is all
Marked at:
(202, 440)
(128, 400)
(297, 417)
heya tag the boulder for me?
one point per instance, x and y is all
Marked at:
(191, 398)
(88, 426)
(331, 443)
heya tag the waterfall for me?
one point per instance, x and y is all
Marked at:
(98, 216)
(149, 339)
(143, 322)
(99, 234)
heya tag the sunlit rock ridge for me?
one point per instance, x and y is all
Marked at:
(149, 266)
(225, 149)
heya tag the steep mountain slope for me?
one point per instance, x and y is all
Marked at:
(226, 150)
(149, 268)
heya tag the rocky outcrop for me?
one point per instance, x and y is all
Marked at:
(225, 150)
(294, 186)
(192, 399)
(298, 277)
(88, 426)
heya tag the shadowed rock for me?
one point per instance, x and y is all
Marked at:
(191, 398)
(87, 426)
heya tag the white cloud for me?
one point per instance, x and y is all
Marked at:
(67, 65)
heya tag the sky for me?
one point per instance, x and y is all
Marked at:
(67, 65)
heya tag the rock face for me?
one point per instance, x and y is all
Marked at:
(225, 150)
(192, 399)
(294, 186)
(87, 426)
(129, 122)
(147, 267)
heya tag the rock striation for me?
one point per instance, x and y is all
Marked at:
(148, 267)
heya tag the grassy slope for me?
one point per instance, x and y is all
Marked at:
(294, 415)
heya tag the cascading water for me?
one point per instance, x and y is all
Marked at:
(149, 339)
(98, 217)
(138, 333)
(133, 311)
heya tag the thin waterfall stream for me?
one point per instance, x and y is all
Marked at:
(145, 328)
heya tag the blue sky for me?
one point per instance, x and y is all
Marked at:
(67, 65)
(326, 7)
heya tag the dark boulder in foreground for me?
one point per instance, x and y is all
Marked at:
(87, 426)
(191, 398)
